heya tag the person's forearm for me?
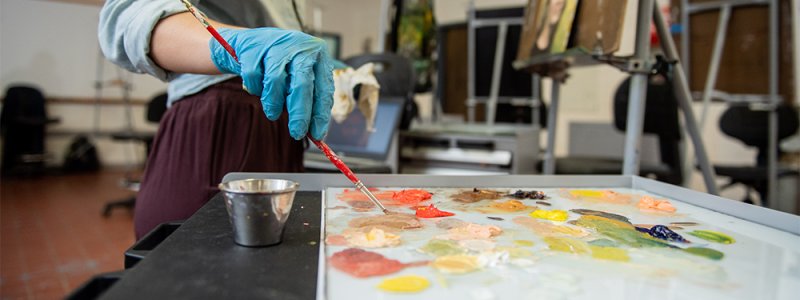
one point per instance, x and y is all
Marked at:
(180, 44)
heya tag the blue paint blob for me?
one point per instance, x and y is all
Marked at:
(664, 233)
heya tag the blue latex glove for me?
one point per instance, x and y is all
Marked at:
(283, 67)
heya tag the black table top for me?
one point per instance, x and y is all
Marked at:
(201, 261)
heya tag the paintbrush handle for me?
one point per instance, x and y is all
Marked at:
(347, 172)
(202, 18)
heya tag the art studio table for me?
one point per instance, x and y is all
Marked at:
(200, 260)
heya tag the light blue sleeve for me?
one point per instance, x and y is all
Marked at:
(125, 31)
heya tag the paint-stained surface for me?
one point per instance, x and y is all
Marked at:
(500, 243)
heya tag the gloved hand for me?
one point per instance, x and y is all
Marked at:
(283, 67)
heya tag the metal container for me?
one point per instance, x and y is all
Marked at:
(258, 209)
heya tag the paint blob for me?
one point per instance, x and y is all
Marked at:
(663, 233)
(647, 203)
(552, 215)
(524, 243)
(535, 195)
(509, 206)
(361, 263)
(392, 221)
(447, 224)
(413, 196)
(432, 212)
(477, 195)
(336, 240)
(495, 218)
(542, 228)
(601, 214)
(568, 245)
(609, 253)
(456, 264)
(713, 236)
(607, 196)
(359, 202)
(603, 243)
(472, 231)
(515, 252)
(543, 203)
(374, 238)
(437, 247)
(705, 252)
(404, 284)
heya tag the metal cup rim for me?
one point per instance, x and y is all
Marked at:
(292, 187)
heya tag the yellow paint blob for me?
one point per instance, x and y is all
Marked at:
(552, 215)
(375, 238)
(567, 245)
(404, 284)
(609, 253)
(456, 264)
(524, 243)
(586, 193)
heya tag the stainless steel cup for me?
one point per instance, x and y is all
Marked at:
(258, 209)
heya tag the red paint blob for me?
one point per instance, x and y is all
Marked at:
(413, 196)
(432, 212)
(361, 263)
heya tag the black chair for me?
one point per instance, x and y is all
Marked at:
(155, 110)
(23, 123)
(751, 128)
(396, 76)
(660, 119)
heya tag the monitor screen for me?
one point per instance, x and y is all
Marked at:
(351, 138)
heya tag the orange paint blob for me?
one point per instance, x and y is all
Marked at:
(361, 263)
(413, 196)
(653, 204)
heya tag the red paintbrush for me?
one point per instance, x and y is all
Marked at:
(320, 144)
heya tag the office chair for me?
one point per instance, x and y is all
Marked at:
(751, 128)
(155, 110)
(660, 118)
(396, 76)
(23, 123)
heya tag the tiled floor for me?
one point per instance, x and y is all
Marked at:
(53, 236)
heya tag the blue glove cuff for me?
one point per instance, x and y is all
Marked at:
(220, 57)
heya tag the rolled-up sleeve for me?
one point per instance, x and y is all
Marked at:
(125, 30)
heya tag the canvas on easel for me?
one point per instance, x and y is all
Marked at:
(547, 27)
(600, 25)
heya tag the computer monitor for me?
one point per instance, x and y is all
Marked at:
(351, 138)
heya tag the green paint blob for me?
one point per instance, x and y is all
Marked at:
(442, 248)
(713, 236)
(621, 232)
(598, 213)
(705, 252)
(610, 253)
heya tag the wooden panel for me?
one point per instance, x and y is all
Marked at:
(600, 24)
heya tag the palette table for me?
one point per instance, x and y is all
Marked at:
(200, 260)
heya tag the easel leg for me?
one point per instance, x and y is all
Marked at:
(684, 98)
(638, 91)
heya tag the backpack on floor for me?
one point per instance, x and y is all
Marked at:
(81, 156)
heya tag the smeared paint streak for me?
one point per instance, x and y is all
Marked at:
(609, 253)
(361, 263)
(535, 195)
(647, 203)
(405, 284)
(438, 248)
(620, 232)
(552, 215)
(359, 202)
(477, 195)
(599, 213)
(337, 207)
(509, 206)
(664, 233)
(456, 264)
(375, 238)
(431, 211)
(472, 231)
(603, 243)
(541, 228)
(524, 243)
(705, 252)
(477, 245)
(543, 203)
(413, 196)
(575, 246)
(495, 218)
(607, 196)
(394, 221)
(683, 224)
(336, 240)
(450, 223)
(713, 236)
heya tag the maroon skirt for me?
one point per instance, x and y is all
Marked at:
(200, 139)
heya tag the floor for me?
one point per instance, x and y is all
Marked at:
(53, 236)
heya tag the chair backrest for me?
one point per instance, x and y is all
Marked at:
(660, 118)
(752, 126)
(395, 73)
(156, 108)
(23, 103)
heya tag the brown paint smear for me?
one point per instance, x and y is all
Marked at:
(393, 221)
(477, 195)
